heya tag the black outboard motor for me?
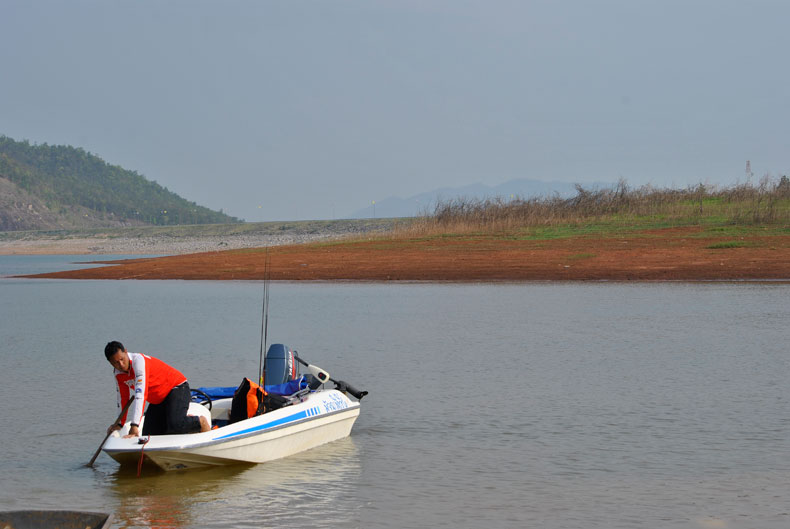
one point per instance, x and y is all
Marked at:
(280, 365)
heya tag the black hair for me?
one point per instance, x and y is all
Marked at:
(113, 347)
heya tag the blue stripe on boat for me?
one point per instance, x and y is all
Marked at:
(285, 420)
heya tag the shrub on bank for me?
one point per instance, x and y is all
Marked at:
(767, 202)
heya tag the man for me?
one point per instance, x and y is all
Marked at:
(148, 379)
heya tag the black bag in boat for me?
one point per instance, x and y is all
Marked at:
(250, 400)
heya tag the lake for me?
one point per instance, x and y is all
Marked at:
(547, 405)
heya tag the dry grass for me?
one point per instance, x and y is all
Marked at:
(746, 204)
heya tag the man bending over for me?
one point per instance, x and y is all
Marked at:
(148, 379)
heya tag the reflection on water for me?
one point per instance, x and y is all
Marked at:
(296, 491)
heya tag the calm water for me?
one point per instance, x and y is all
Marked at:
(595, 405)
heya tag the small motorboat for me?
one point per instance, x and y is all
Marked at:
(311, 415)
(32, 519)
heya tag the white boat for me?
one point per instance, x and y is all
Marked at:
(317, 418)
(310, 417)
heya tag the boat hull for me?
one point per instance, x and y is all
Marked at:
(33, 519)
(323, 417)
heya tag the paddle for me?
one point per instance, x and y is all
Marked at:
(323, 376)
(98, 450)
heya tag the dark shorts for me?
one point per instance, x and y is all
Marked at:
(170, 415)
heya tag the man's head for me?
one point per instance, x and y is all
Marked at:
(117, 355)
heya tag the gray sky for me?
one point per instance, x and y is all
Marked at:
(312, 109)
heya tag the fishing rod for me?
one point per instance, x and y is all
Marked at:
(321, 375)
(264, 318)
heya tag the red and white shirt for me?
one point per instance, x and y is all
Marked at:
(148, 380)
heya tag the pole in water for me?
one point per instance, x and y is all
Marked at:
(120, 416)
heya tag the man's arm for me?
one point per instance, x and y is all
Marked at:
(138, 367)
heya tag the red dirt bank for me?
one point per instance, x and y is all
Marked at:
(671, 254)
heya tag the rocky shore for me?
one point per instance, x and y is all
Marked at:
(156, 245)
(174, 243)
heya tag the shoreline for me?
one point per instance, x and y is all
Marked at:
(677, 254)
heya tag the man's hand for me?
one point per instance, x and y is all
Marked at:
(134, 431)
(113, 428)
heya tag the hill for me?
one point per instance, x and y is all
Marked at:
(44, 187)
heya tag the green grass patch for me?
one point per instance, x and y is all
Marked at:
(724, 245)
(600, 228)
(729, 229)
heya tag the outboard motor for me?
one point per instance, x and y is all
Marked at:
(281, 366)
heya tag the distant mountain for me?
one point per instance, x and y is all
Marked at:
(425, 202)
(61, 187)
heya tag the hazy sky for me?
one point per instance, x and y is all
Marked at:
(312, 109)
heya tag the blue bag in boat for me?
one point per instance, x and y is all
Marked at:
(286, 389)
